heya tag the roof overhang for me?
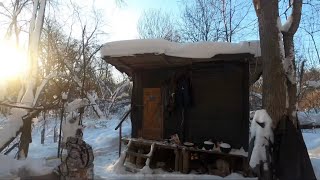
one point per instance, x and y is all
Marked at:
(147, 54)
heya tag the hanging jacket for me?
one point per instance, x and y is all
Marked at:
(290, 156)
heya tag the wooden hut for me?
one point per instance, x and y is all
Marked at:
(199, 91)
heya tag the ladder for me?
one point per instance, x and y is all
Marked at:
(135, 158)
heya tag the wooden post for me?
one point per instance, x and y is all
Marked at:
(180, 162)
(61, 118)
(43, 131)
(140, 159)
(185, 160)
(120, 137)
(120, 131)
(176, 160)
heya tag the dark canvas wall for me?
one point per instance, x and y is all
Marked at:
(220, 102)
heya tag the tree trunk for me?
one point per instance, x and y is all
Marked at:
(274, 88)
(25, 139)
(292, 86)
(288, 35)
(35, 28)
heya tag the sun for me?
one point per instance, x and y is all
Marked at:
(13, 61)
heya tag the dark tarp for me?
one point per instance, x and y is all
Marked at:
(291, 158)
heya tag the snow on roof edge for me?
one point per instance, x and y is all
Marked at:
(185, 50)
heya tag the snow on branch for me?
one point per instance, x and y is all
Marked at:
(42, 85)
(286, 60)
(92, 100)
(286, 26)
(288, 67)
(118, 92)
(28, 96)
(71, 123)
(76, 104)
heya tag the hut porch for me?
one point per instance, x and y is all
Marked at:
(174, 157)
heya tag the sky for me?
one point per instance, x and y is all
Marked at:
(121, 19)
(121, 22)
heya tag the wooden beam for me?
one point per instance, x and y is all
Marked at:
(185, 161)
(131, 153)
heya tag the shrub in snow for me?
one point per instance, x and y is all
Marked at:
(70, 126)
(261, 139)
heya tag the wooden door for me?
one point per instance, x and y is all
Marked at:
(152, 114)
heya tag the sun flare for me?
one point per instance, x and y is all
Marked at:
(13, 61)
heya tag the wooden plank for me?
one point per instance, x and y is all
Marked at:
(163, 144)
(214, 152)
(137, 154)
(145, 142)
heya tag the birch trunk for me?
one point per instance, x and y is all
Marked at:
(36, 25)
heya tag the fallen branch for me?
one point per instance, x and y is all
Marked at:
(10, 141)
(29, 108)
(21, 107)
(11, 148)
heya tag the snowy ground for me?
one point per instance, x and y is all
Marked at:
(311, 118)
(312, 140)
(100, 134)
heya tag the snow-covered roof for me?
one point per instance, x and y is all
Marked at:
(185, 50)
(142, 54)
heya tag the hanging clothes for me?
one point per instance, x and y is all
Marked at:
(290, 156)
(183, 93)
(183, 98)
